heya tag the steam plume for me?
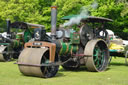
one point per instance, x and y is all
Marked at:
(84, 13)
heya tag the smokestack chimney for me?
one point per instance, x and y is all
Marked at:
(8, 26)
(53, 21)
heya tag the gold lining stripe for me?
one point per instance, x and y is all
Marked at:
(67, 47)
(61, 48)
(71, 49)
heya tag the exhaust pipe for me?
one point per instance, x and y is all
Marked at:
(8, 26)
(53, 21)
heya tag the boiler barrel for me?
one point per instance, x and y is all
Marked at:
(67, 48)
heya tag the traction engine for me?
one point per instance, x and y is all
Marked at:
(66, 47)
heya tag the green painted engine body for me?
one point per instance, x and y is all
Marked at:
(74, 38)
(71, 46)
(22, 38)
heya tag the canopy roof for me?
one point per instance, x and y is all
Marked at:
(23, 25)
(19, 25)
(88, 18)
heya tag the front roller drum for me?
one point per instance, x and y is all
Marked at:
(98, 55)
(30, 61)
(4, 56)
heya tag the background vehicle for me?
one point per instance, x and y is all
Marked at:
(12, 41)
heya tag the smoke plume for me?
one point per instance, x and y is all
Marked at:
(84, 13)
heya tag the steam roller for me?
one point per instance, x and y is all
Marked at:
(66, 47)
(12, 43)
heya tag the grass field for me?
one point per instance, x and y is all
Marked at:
(116, 74)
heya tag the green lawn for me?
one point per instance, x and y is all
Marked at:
(116, 74)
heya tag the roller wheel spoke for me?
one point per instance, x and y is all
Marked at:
(97, 56)
(48, 71)
(102, 58)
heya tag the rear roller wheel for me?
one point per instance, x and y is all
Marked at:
(98, 55)
(29, 60)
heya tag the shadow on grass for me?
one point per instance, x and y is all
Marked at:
(81, 69)
(118, 64)
(60, 75)
(108, 69)
(8, 61)
(57, 75)
(77, 70)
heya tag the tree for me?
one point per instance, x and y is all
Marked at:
(20, 10)
(106, 8)
(39, 11)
